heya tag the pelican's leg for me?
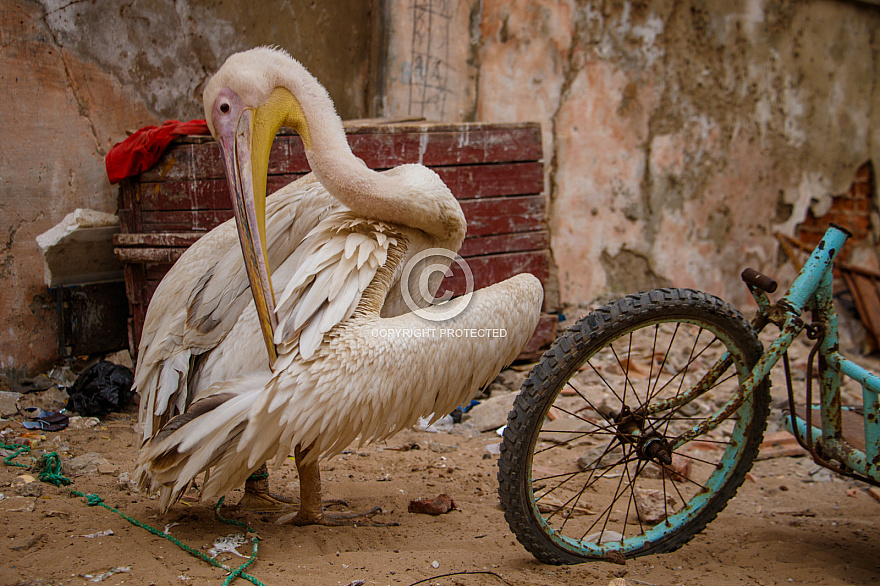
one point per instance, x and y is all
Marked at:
(257, 496)
(311, 511)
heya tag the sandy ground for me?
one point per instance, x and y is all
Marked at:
(791, 523)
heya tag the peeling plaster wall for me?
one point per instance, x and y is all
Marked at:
(75, 76)
(678, 135)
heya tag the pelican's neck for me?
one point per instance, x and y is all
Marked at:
(411, 195)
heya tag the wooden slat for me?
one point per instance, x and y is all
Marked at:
(447, 148)
(473, 181)
(184, 220)
(162, 239)
(486, 270)
(155, 272)
(504, 215)
(204, 194)
(145, 255)
(494, 268)
(168, 246)
(505, 243)
(465, 182)
(432, 146)
(544, 335)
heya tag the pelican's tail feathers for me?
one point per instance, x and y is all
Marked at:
(200, 439)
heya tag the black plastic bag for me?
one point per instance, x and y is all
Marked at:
(102, 388)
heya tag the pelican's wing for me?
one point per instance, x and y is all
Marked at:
(331, 269)
(371, 379)
(203, 296)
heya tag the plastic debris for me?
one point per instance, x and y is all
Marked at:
(444, 424)
(228, 544)
(106, 533)
(108, 573)
(102, 388)
(44, 420)
(493, 449)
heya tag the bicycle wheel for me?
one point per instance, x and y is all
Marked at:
(603, 457)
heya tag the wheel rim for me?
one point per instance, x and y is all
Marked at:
(624, 497)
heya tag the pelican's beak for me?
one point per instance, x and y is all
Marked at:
(245, 156)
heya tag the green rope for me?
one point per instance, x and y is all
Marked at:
(8, 460)
(49, 468)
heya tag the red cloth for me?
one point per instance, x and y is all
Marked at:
(141, 150)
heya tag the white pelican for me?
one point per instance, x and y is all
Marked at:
(348, 357)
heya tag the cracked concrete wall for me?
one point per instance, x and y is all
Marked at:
(678, 135)
(75, 75)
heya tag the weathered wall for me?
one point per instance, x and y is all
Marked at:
(678, 135)
(75, 76)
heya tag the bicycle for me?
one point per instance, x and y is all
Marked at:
(664, 395)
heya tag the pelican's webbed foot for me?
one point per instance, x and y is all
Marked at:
(306, 517)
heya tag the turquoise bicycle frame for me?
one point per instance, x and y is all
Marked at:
(811, 290)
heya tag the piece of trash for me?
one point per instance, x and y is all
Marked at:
(169, 526)
(603, 537)
(44, 420)
(443, 503)
(500, 430)
(435, 564)
(106, 533)
(102, 388)
(228, 544)
(78, 423)
(445, 423)
(357, 583)
(108, 573)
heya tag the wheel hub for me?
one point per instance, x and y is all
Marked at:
(650, 445)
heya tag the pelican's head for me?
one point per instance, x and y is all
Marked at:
(250, 97)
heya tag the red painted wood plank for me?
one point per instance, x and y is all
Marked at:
(494, 268)
(505, 243)
(170, 239)
(486, 270)
(504, 215)
(148, 255)
(184, 220)
(472, 246)
(155, 272)
(499, 215)
(466, 182)
(447, 148)
(466, 145)
(502, 179)
(544, 335)
(202, 194)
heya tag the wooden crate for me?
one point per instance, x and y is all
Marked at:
(494, 170)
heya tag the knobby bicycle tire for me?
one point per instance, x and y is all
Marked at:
(588, 447)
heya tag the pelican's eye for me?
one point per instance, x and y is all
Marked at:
(224, 107)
